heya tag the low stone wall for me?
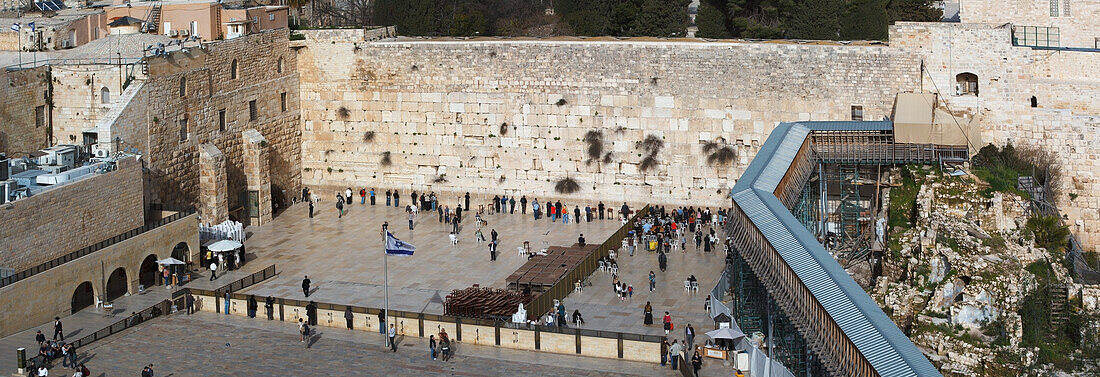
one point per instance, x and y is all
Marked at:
(461, 330)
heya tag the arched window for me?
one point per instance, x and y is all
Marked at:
(966, 83)
(183, 86)
(279, 67)
(233, 70)
(105, 95)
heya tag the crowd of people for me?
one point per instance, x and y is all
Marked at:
(50, 350)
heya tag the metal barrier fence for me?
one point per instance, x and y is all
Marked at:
(239, 284)
(92, 248)
(545, 301)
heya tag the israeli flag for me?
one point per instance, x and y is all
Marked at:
(15, 27)
(395, 246)
(31, 25)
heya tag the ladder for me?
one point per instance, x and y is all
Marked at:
(1058, 297)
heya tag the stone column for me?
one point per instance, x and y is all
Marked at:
(256, 171)
(213, 193)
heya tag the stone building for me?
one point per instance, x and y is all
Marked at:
(24, 111)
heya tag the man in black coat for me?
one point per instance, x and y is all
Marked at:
(305, 286)
(311, 313)
(523, 205)
(467, 200)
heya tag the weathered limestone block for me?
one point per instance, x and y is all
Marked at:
(213, 197)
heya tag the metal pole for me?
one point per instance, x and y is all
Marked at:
(386, 273)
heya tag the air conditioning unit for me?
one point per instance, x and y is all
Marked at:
(100, 153)
(185, 32)
(7, 188)
(174, 33)
(66, 44)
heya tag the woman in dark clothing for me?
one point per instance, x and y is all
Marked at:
(662, 261)
(648, 313)
(252, 306)
(696, 361)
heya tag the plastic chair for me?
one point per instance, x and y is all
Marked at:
(695, 285)
(614, 270)
(520, 250)
(603, 267)
(687, 285)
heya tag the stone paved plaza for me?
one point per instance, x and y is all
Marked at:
(342, 257)
(207, 344)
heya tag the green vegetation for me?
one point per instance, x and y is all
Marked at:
(1048, 233)
(1002, 167)
(809, 19)
(903, 200)
(1058, 344)
(626, 18)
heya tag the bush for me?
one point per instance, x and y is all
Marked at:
(1048, 232)
(567, 186)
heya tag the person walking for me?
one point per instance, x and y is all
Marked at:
(667, 321)
(253, 306)
(652, 281)
(303, 329)
(467, 200)
(227, 301)
(190, 301)
(57, 329)
(311, 313)
(412, 216)
(347, 195)
(393, 337)
(213, 271)
(696, 361)
(689, 336)
(492, 251)
(535, 209)
(305, 285)
(675, 351)
(311, 209)
(269, 307)
(147, 371)
(664, 352)
(648, 311)
(349, 317)
(339, 206)
(431, 346)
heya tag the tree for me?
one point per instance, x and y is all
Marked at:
(711, 21)
(913, 10)
(864, 20)
(1048, 233)
(815, 19)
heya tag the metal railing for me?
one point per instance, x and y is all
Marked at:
(239, 284)
(545, 301)
(92, 248)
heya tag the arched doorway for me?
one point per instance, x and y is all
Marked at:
(116, 284)
(147, 273)
(182, 252)
(83, 297)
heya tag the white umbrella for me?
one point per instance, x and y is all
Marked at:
(725, 333)
(224, 245)
(170, 261)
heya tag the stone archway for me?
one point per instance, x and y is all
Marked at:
(83, 296)
(116, 284)
(147, 272)
(182, 252)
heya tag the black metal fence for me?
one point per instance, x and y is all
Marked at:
(92, 248)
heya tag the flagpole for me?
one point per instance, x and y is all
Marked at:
(386, 273)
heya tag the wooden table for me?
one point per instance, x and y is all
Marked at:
(716, 353)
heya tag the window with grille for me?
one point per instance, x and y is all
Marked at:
(1065, 8)
(183, 86)
(1054, 8)
(252, 114)
(282, 101)
(857, 112)
(39, 116)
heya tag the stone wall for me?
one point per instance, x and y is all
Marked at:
(67, 218)
(1075, 19)
(21, 93)
(1065, 121)
(37, 299)
(78, 98)
(511, 116)
(265, 71)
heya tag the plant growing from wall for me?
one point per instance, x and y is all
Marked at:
(650, 146)
(386, 161)
(593, 139)
(567, 186)
(561, 102)
(442, 178)
(503, 129)
(718, 153)
(368, 136)
(343, 113)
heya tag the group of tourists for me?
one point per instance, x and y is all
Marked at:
(56, 348)
(671, 353)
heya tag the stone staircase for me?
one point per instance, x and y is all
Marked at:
(1059, 294)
